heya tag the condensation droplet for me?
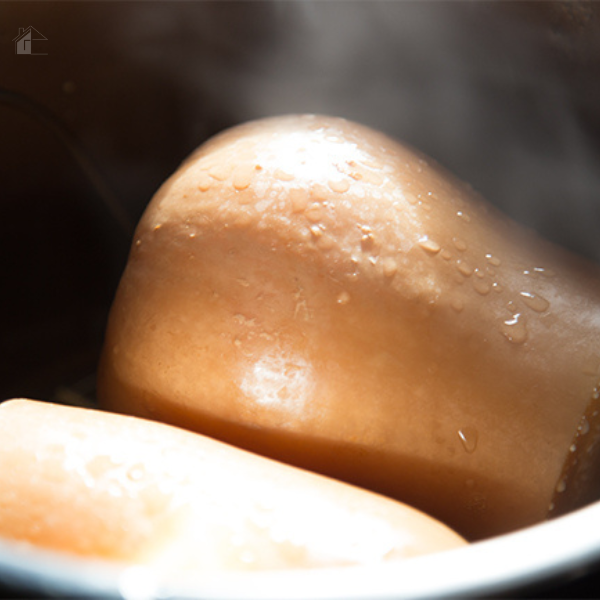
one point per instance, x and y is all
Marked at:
(572, 448)
(430, 246)
(316, 231)
(389, 266)
(325, 242)
(514, 330)
(584, 426)
(493, 260)
(314, 213)
(459, 244)
(343, 298)
(482, 287)
(242, 176)
(298, 199)
(446, 254)
(220, 172)
(479, 273)
(549, 273)
(561, 486)
(511, 306)
(535, 301)
(367, 242)
(203, 181)
(411, 199)
(464, 268)
(136, 473)
(497, 287)
(339, 185)
(319, 192)
(464, 216)
(596, 393)
(469, 438)
(283, 175)
(457, 304)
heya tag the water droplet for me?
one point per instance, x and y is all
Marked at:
(283, 175)
(367, 242)
(339, 185)
(549, 273)
(497, 287)
(242, 176)
(464, 216)
(457, 304)
(482, 287)
(561, 486)
(512, 306)
(446, 254)
(584, 426)
(298, 199)
(220, 172)
(468, 438)
(136, 473)
(493, 260)
(596, 393)
(464, 268)
(389, 267)
(203, 181)
(411, 199)
(534, 301)
(319, 192)
(430, 246)
(460, 244)
(479, 273)
(514, 329)
(343, 298)
(325, 242)
(138, 243)
(316, 231)
(314, 213)
(572, 448)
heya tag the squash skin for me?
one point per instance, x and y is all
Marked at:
(311, 290)
(120, 488)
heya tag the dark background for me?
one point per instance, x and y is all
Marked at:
(505, 94)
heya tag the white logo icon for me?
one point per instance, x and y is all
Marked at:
(25, 42)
